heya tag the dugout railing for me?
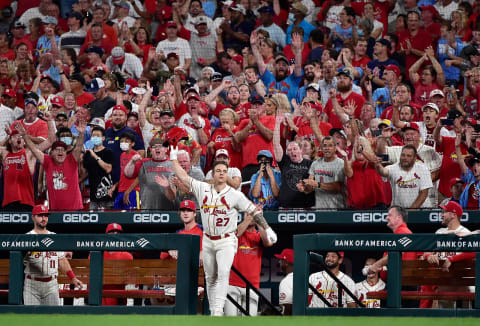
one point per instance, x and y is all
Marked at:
(394, 245)
(188, 247)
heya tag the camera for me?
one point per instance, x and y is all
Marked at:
(447, 122)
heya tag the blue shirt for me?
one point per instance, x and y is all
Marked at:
(112, 141)
(469, 179)
(443, 49)
(266, 197)
(381, 99)
(44, 45)
(209, 8)
(307, 29)
(288, 86)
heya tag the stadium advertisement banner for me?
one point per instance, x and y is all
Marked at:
(60, 242)
(273, 217)
(399, 242)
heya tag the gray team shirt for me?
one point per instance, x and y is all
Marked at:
(328, 172)
(202, 47)
(152, 194)
(196, 174)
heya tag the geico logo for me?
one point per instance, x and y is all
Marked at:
(296, 217)
(369, 217)
(80, 218)
(14, 218)
(437, 217)
(151, 218)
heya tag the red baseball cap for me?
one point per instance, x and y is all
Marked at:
(453, 207)
(13, 133)
(59, 143)
(9, 92)
(188, 204)
(341, 254)
(171, 24)
(455, 181)
(113, 227)
(238, 58)
(121, 108)
(411, 125)
(58, 101)
(193, 95)
(393, 68)
(40, 210)
(286, 254)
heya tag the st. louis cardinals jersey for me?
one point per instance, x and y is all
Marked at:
(42, 263)
(445, 255)
(219, 210)
(364, 287)
(329, 289)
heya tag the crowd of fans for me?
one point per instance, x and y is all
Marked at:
(314, 104)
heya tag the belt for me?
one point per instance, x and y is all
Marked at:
(217, 237)
(41, 279)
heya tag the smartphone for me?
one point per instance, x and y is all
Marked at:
(476, 128)
(292, 61)
(376, 133)
(384, 157)
(447, 122)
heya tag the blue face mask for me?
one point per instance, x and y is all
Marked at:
(67, 140)
(96, 141)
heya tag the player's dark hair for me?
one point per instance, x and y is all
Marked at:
(99, 129)
(401, 211)
(412, 111)
(317, 36)
(409, 146)
(219, 162)
(62, 131)
(129, 135)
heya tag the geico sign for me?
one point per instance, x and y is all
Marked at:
(369, 217)
(14, 218)
(296, 217)
(151, 218)
(437, 217)
(80, 218)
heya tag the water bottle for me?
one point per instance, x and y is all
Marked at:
(156, 284)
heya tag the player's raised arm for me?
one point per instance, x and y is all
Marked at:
(177, 169)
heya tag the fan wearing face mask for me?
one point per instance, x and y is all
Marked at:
(128, 196)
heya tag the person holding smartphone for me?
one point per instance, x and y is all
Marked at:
(265, 184)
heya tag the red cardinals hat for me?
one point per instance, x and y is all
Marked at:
(121, 108)
(193, 95)
(13, 133)
(286, 254)
(113, 227)
(238, 58)
(341, 254)
(59, 143)
(453, 207)
(9, 92)
(188, 204)
(454, 181)
(58, 101)
(411, 125)
(393, 68)
(222, 152)
(171, 24)
(40, 210)
(118, 55)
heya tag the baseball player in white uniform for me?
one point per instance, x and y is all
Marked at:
(285, 289)
(41, 267)
(219, 208)
(372, 283)
(328, 287)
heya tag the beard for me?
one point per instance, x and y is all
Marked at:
(117, 125)
(406, 165)
(310, 76)
(344, 88)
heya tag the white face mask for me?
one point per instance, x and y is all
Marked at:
(124, 146)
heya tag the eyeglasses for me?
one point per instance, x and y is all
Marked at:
(59, 149)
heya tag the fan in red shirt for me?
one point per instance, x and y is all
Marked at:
(346, 99)
(222, 138)
(248, 261)
(402, 97)
(289, 51)
(308, 119)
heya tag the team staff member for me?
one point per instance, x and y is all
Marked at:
(219, 208)
(41, 267)
(285, 290)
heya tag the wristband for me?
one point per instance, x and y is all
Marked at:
(71, 275)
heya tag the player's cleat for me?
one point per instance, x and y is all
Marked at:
(271, 235)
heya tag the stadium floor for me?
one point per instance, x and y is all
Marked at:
(120, 320)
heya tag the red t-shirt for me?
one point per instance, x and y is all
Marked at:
(115, 255)
(255, 141)
(18, 182)
(388, 112)
(144, 47)
(109, 35)
(241, 110)
(222, 139)
(422, 92)
(38, 128)
(62, 184)
(106, 45)
(198, 230)
(287, 50)
(359, 100)
(305, 130)
(125, 182)
(450, 168)
(84, 98)
(365, 188)
(248, 259)
(420, 42)
(403, 229)
(182, 109)
(473, 195)
(362, 63)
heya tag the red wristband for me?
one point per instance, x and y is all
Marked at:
(71, 275)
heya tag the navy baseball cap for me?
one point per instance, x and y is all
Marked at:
(266, 9)
(257, 99)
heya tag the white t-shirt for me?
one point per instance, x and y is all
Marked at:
(329, 289)
(445, 255)
(186, 123)
(285, 290)
(132, 66)
(406, 185)
(232, 172)
(219, 210)
(180, 46)
(42, 263)
(129, 20)
(362, 289)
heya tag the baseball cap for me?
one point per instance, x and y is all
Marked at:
(386, 123)
(40, 210)
(76, 15)
(266, 10)
(221, 152)
(300, 7)
(78, 78)
(265, 153)
(62, 114)
(172, 55)
(122, 4)
(50, 20)
(257, 99)
(454, 181)
(46, 76)
(30, 101)
(411, 125)
(95, 49)
(341, 254)
(286, 254)
(432, 9)
(59, 143)
(171, 23)
(200, 20)
(194, 96)
(239, 8)
(19, 24)
(96, 85)
(347, 72)
(188, 204)
(216, 76)
(121, 108)
(167, 112)
(9, 92)
(315, 86)
(386, 43)
(431, 105)
(118, 55)
(113, 227)
(453, 207)
(339, 130)
(280, 57)
(238, 58)
(453, 114)
(97, 122)
(139, 90)
(393, 68)
(436, 92)
(58, 101)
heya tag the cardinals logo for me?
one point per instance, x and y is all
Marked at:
(224, 202)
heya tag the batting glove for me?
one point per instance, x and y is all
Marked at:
(271, 235)
(173, 153)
